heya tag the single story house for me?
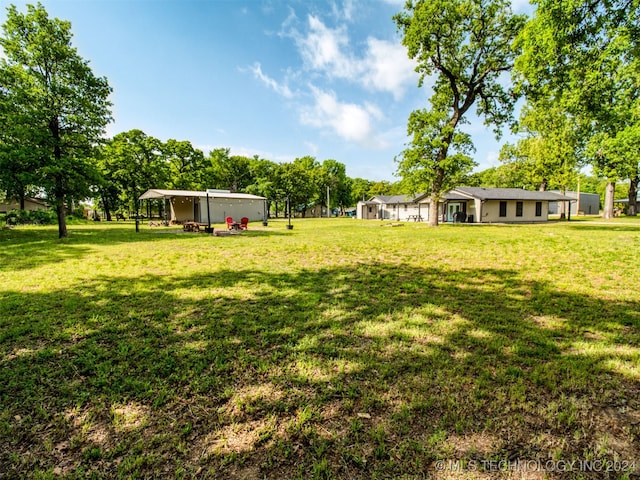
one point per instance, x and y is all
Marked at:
(589, 204)
(502, 205)
(30, 203)
(465, 204)
(210, 206)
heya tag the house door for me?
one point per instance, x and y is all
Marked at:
(455, 207)
(196, 210)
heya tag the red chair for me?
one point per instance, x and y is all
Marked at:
(229, 221)
(244, 222)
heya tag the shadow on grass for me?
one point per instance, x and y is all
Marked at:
(372, 370)
(23, 248)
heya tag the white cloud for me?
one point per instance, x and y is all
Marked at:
(344, 13)
(281, 89)
(388, 68)
(322, 50)
(384, 66)
(349, 121)
(313, 148)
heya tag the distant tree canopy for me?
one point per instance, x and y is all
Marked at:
(132, 162)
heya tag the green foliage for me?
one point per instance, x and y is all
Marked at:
(549, 154)
(581, 59)
(54, 109)
(132, 163)
(228, 172)
(508, 175)
(186, 165)
(466, 45)
(30, 217)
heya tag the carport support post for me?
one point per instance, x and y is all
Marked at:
(289, 226)
(137, 216)
(208, 215)
(328, 204)
(264, 213)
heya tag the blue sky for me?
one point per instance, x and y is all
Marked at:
(278, 79)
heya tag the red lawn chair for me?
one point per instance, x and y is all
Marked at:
(229, 221)
(244, 221)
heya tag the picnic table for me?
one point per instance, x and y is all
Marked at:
(192, 226)
(415, 218)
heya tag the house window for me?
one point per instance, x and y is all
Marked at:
(369, 209)
(503, 209)
(405, 207)
(394, 207)
(538, 209)
(519, 209)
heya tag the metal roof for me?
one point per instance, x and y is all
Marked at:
(510, 194)
(388, 199)
(158, 193)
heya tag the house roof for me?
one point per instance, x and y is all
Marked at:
(37, 201)
(509, 194)
(454, 196)
(389, 199)
(158, 193)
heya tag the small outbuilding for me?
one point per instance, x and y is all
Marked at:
(210, 206)
(583, 203)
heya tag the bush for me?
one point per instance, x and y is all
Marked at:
(30, 217)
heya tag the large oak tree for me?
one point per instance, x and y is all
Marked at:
(465, 47)
(54, 108)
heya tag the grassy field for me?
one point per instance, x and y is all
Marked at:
(339, 349)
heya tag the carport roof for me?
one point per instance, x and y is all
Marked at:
(158, 193)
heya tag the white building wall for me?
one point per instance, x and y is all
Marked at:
(491, 212)
(221, 208)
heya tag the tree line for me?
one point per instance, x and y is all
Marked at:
(132, 162)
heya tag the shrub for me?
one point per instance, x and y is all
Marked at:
(30, 217)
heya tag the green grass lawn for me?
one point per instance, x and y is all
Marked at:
(339, 349)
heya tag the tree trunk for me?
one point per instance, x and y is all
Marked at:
(107, 210)
(434, 210)
(61, 212)
(54, 127)
(632, 210)
(608, 200)
(22, 197)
